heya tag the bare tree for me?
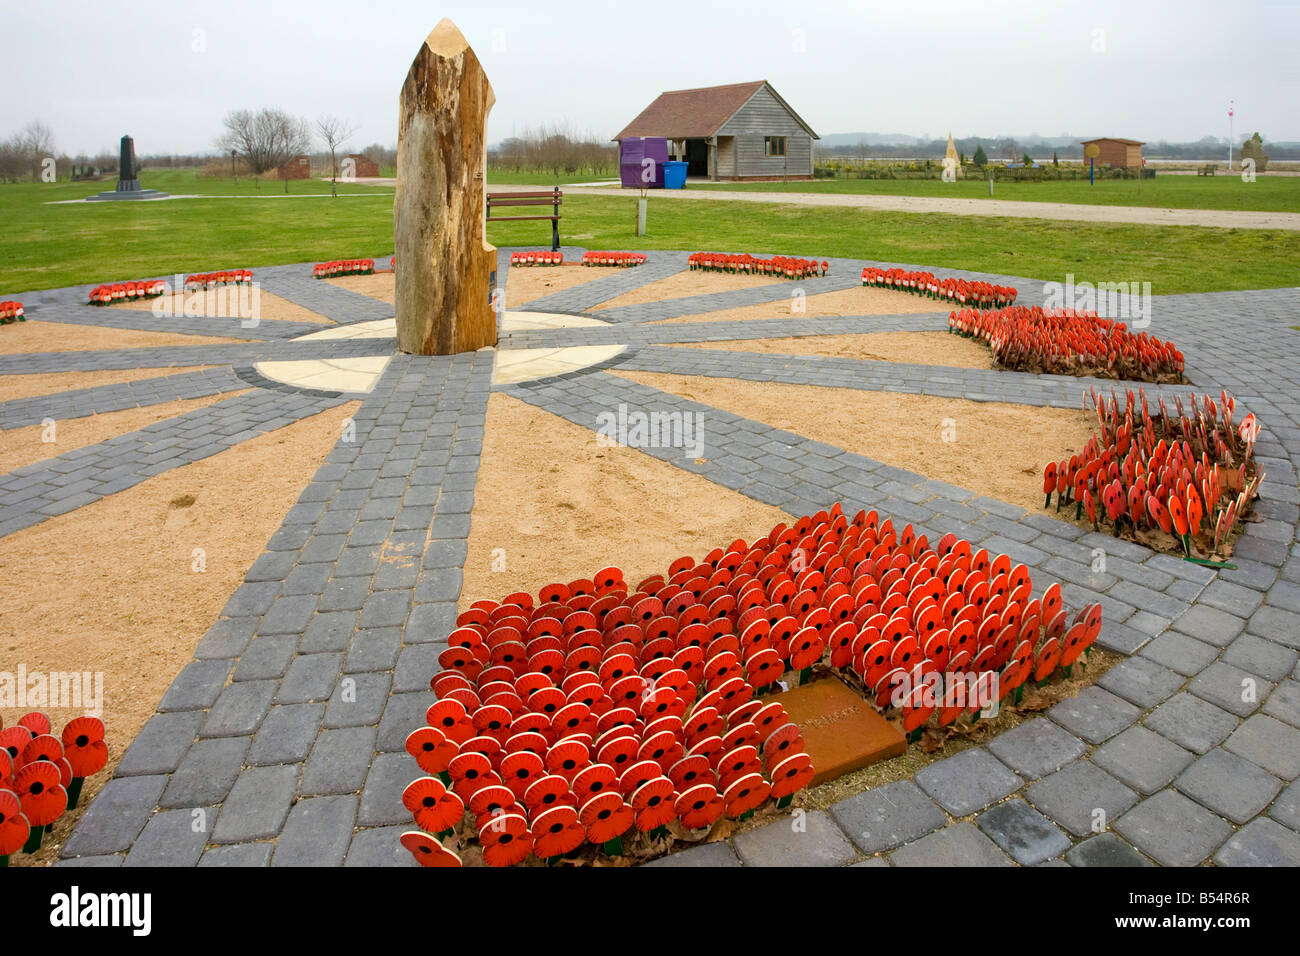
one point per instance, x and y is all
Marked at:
(334, 132)
(38, 139)
(266, 140)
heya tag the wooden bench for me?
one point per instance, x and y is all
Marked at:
(1207, 170)
(547, 198)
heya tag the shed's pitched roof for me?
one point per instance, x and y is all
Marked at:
(1114, 139)
(698, 113)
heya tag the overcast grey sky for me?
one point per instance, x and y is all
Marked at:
(1136, 68)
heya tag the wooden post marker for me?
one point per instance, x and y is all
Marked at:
(446, 269)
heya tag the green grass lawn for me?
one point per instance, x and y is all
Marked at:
(1266, 194)
(506, 177)
(45, 246)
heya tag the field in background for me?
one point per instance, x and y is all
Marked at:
(45, 246)
(1265, 194)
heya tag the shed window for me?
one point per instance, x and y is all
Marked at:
(773, 145)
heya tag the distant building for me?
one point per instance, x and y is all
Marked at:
(741, 131)
(363, 167)
(1120, 153)
(299, 167)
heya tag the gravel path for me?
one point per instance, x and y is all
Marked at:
(1071, 212)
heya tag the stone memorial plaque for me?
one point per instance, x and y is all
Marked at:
(843, 732)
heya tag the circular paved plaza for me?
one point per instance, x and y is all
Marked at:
(287, 728)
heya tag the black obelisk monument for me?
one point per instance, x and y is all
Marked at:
(128, 177)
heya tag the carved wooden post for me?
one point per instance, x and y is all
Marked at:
(445, 267)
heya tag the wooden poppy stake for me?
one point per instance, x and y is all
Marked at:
(805, 676)
(34, 840)
(74, 791)
(613, 847)
(785, 801)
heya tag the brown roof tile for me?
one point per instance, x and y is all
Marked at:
(691, 114)
(1113, 139)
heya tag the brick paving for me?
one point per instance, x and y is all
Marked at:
(287, 727)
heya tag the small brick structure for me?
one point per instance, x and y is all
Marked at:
(363, 167)
(299, 167)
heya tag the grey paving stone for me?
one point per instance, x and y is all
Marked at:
(345, 593)
(197, 686)
(238, 854)
(258, 804)
(702, 855)
(1191, 722)
(967, 782)
(1231, 688)
(361, 699)
(206, 774)
(884, 817)
(1286, 808)
(328, 631)
(1209, 624)
(1105, 849)
(1180, 653)
(1229, 785)
(1121, 637)
(381, 800)
(317, 833)
(239, 710)
(311, 677)
(1261, 842)
(416, 666)
(1094, 714)
(1142, 759)
(1081, 796)
(161, 744)
(430, 623)
(1284, 702)
(379, 846)
(286, 734)
(339, 761)
(1276, 624)
(374, 649)
(386, 609)
(115, 817)
(1173, 830)
(807, 839)
(172, 838)
(1257, 655)
(226, 638)
(1141, 682)
(288, 614)
(1230, 597)
(1023, 832)
(266, 658)
(959, 845)
(1036, 748)
(1268, 742)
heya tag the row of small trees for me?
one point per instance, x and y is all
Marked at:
(556, 149)
(267, 139)
(22, 153)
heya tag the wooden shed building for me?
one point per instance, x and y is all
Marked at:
(741, 131)
(1116, 152)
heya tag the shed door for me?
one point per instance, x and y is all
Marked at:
(697, 157)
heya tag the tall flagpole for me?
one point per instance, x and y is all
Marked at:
(1230, 103)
